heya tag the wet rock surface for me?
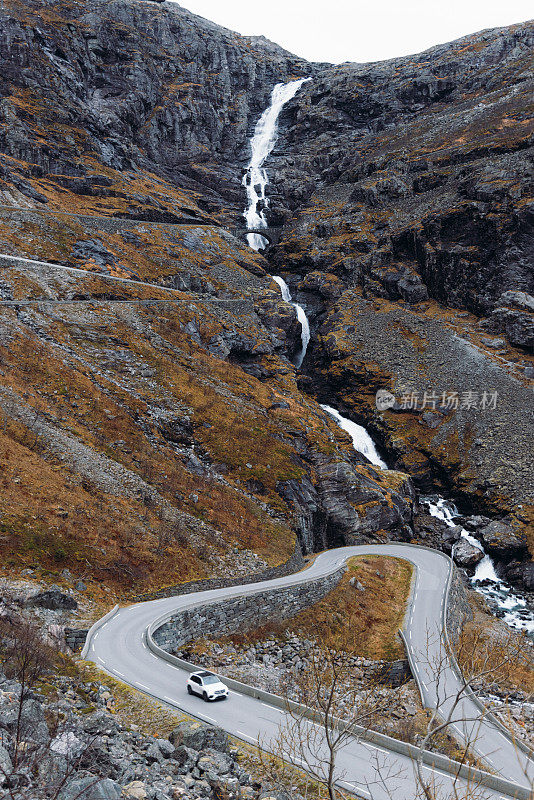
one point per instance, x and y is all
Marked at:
(466, 554)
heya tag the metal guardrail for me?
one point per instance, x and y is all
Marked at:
(434, 760)
(94, 629)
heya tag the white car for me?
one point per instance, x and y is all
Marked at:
(207, 685)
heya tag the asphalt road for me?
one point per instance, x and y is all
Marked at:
(370, 771)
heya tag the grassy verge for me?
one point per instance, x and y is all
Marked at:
(133, 708)
(365, 621)
(505, 656)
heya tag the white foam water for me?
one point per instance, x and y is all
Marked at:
(485, 580)
(262, 143)
(361, 440)
(301, 316)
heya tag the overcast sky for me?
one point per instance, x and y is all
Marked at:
(360, 30)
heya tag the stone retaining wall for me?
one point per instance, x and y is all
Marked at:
(458, 609)
(242, 613)
(294, 564)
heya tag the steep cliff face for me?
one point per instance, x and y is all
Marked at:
(160, 421)
(99, 101)
(416, 177)
(154, 432)
(408, 234)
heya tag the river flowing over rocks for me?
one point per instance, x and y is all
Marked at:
(251, 308)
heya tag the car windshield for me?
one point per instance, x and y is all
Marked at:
(210, 679)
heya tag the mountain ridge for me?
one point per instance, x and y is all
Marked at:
(137, 114)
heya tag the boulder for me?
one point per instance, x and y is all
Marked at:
(520, 300)
(214, 761)
(449, 538)
(53, 599)
(434, 531)
(502, 541)
(135, 790)
(165, 747)
(520, 573)
(466, 554)
(178, 430)
(5, 764)
(198, 736)
(91, 787)
(476, 522)
(517, 325)
(185, 756)
(32, 720)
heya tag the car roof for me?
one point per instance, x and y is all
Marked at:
(204, 673)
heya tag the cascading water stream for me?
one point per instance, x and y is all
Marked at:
(360, 438)
(512, 608)
(261, 145)
(255, 182)
(301, 316)
(485, 580)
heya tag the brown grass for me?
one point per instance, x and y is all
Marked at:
(485, 643)
(365, 623)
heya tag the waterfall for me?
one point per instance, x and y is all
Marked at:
(255, 182)
(301, 316)
(485, 580)
(361, 440)
(512, 608)
(261, 145)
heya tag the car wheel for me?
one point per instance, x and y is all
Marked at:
(189, 690)
(205, 696)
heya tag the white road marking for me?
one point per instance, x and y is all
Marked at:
(101, 661)
(245, 735)
(273, 708)
(375, 747)
(205, 716)
(116, 671)
(143, 686)
(439, 771)
(168, 698)
(356, 787)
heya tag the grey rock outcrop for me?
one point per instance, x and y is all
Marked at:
(466, 554)
(54, 599)
(502, 541)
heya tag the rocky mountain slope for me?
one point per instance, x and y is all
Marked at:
(153, 434)
(135, 109)
(408, 234)
(154, 429)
